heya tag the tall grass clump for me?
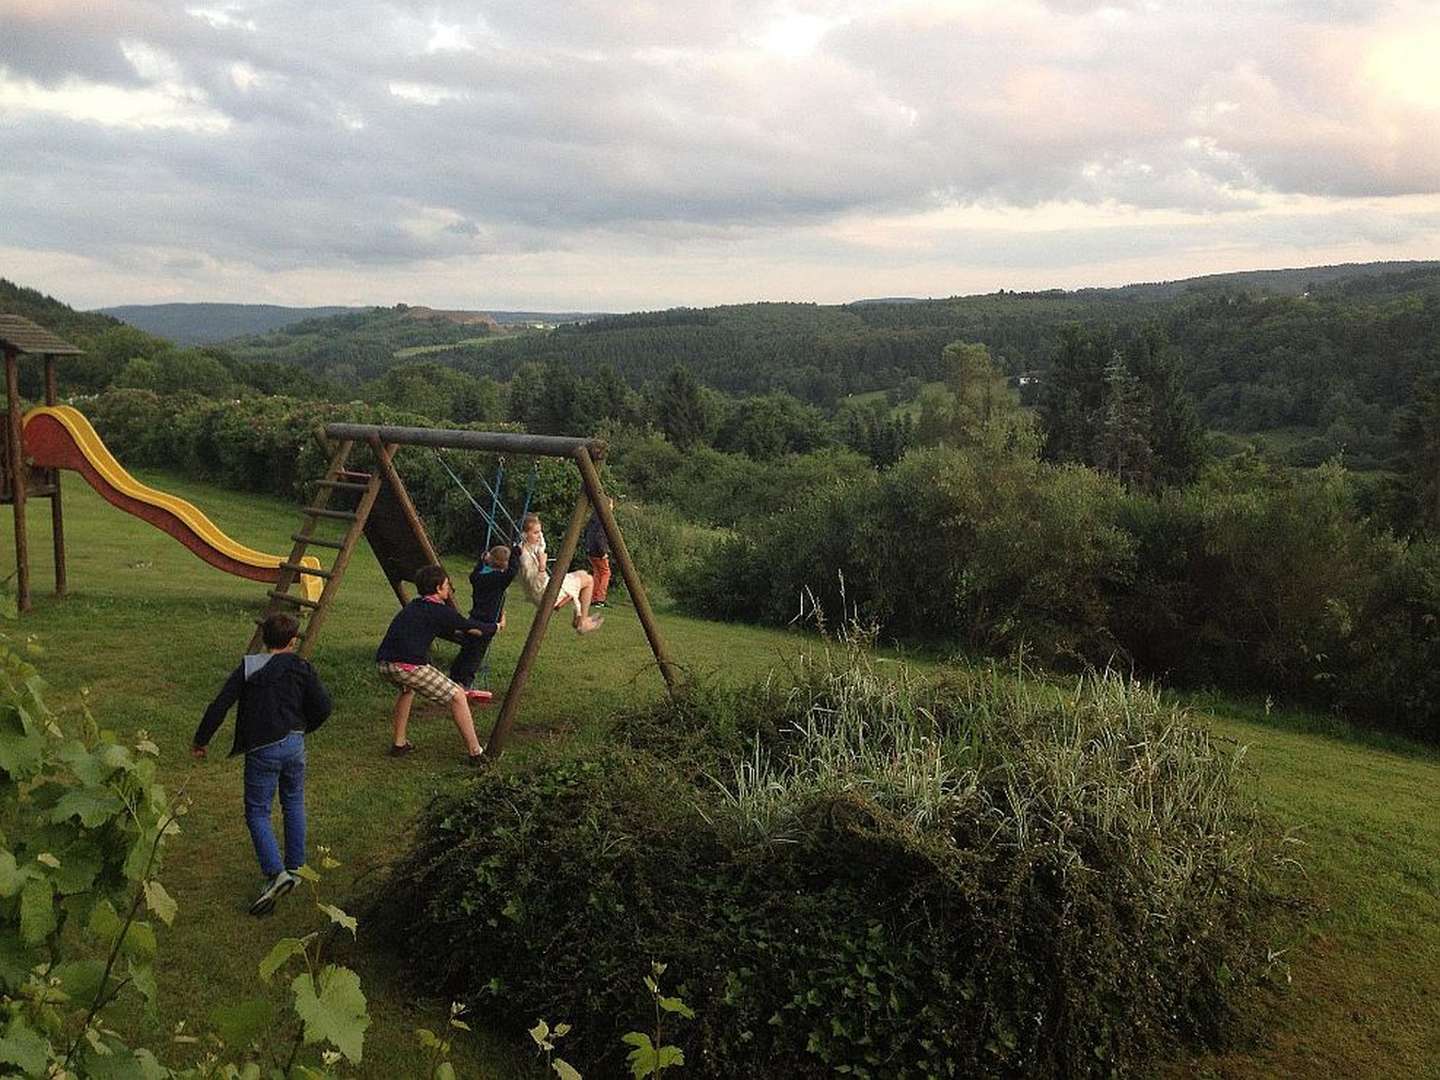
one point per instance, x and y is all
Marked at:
(859, 869)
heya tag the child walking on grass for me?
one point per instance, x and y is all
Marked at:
(577, 587)
(281, 701)
(403, 658)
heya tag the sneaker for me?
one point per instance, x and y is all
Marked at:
(274, 889)
(476, 760)
(401, 751)
(597, 603)
(479, 697)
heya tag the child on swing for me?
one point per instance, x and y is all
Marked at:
(576, 588)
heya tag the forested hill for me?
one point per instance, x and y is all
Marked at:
(203, 324)
(207, 324)
(77, 327)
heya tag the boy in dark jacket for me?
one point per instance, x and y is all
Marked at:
(488, 582)
(403, 657)
(281, 701)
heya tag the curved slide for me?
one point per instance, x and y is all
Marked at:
(59, 437)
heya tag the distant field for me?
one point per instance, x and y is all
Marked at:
(150, 631)
(468, 343)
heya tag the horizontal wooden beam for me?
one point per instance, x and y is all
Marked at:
(493, 441)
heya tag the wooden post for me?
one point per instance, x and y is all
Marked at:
(17, 483)
(537, 628)
(57, 515)
(591, 476)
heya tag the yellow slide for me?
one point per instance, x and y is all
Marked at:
(57, 436)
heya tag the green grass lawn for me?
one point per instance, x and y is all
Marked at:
(150, 632)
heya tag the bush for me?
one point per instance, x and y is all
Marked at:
(861, 874)
(990, 553)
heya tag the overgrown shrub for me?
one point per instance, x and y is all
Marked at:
(987, 552)
(862, 873)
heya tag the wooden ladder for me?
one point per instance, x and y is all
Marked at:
(337, 478)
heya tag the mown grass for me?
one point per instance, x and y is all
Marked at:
(151, 631)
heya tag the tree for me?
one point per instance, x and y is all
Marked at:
(1125, 430)
(680, 408)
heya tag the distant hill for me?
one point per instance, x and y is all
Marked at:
(1296, 281)
(206, 324)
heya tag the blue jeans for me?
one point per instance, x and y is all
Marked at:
(279, 765)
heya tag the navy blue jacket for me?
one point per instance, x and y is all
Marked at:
(490, 585)
(419, 623)
(278, 693)
(596, 542)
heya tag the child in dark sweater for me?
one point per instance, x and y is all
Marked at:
(403, 657)
(281, 701)
(489, 580)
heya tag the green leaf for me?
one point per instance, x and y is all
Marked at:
(428, 1039)
(10, 876)
(160, 902)
(120, 1063)
(142, 976)
(88, 768)
(334, 1011)
(241, 1024)
(540, 1032)
(565, 1070)
(81, 979)
(669, 1056)
(675, 1005)
(139, 943)
(92, 807)
(338, 916)
(308, 874)
(284, 949)
(153, 1070)
(642, 1058)
(444, 1071)
(78, 871)
(104, 922)
(37, 912)
(21, 753)
(25, 1048)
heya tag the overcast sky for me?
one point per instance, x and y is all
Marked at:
(617, 155)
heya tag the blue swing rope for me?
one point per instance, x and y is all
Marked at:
(492, 524)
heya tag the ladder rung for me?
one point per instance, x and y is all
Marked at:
(300, 568)
(336, 544)
(338, 515)
(354, 474)
(298, 601)
(342, 485)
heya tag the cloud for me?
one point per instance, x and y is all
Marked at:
(287, 137)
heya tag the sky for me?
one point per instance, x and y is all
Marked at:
(614, 155)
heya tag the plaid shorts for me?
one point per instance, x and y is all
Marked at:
(429, 682)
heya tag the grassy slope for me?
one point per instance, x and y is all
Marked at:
(151, 631)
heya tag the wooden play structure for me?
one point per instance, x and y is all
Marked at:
(370, 502)
(373, 503)
(53, 437)
(18, 483)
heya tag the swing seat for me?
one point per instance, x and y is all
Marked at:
(479, 697)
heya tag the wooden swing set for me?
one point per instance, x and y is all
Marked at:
(376, 505)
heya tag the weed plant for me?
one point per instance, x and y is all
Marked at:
(861, 869)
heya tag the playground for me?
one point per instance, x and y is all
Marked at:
(146, 631)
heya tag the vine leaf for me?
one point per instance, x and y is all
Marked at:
(284, 949)
(160, 902)
(334, 1010)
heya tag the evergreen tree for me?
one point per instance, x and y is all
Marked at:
(680, 408)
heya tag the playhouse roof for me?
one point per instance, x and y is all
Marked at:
(24, 336)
